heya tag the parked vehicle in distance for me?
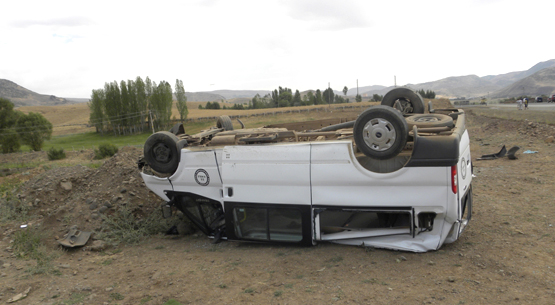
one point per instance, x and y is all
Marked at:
(539, 99)
(551, 99)
(395, 178)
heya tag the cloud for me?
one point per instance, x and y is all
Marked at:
(328, 14)
(64, 22)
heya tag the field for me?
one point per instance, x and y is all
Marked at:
(72, 119)
(506, 255)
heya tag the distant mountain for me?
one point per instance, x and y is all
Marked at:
(20, 96)
(506, 79)
(203, 97)
(231, 94)
(492, 85)
(538, 80)
(539, 83)
(364, 89)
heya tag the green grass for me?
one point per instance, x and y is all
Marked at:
(27, 244)
(92, 140)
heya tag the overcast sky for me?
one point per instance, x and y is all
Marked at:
(68, 48)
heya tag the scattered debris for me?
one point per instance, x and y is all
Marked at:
(20, 296)
(511, 153)
(500, 154)
(75, 238)
(530, 152)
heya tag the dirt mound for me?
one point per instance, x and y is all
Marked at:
(78, 195)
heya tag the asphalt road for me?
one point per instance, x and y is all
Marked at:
(531, 106)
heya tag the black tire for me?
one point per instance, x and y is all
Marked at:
(161, 152)
(411, 101)
(429, 120)
(380, 132)
(224, 122)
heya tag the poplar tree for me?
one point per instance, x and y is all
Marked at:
(181, 100)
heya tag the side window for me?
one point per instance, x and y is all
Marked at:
(269, 224)
(250, 223)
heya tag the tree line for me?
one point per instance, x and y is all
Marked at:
(18, 128)
(427, 94)
(132, 106)
(284, 97)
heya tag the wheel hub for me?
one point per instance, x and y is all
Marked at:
(161, 153)
(379, 134)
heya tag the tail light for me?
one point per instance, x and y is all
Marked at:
(454, 179)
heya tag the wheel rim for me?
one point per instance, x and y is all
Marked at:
(406, 105)
(161, 153)
(426, 119)
(379, 134)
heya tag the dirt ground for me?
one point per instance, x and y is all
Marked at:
(505, 256)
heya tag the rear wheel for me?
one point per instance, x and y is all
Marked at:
(224, 122)
(380, 132)
(411, 102)
(161, 152)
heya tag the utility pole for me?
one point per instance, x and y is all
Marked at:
(151, 120)
(394, 80)
(329, 96)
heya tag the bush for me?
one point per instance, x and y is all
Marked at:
(9, 142)
(27, 244)
(124, 227)
(105, 150)
(56, 154)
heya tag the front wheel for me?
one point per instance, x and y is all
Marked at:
(161, 152)
(380, 132)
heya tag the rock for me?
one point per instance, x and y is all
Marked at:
(66, 185)
(156, 275)
(451, 279)
(550, 139)
(123, 190)
(97, 245)
(93, 206)
(102, 209)
(95, 215)
(20, 296)
(65, 266)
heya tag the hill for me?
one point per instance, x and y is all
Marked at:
(537, 80)
(20, 96)
(539, 83)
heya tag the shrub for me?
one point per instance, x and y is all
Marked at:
(56, 154)
(124, 227)
(105, 150)
(27, 244)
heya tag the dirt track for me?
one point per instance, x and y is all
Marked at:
(505, 256)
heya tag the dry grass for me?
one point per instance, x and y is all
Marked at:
(78, 114)
(72, 119)
(511, 114)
